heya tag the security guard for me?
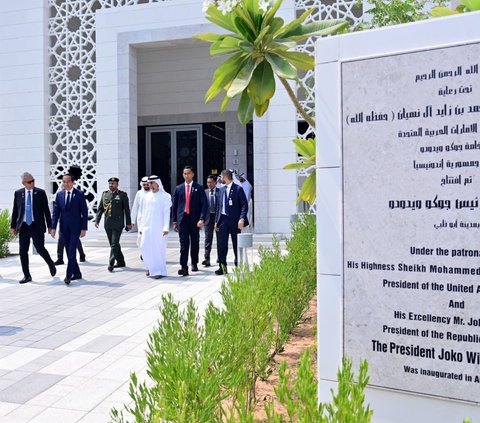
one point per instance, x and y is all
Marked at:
(114, 204)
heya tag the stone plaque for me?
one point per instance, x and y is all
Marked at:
(411, 156)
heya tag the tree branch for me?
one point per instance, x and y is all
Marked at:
(297, 104)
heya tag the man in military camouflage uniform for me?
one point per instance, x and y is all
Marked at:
(114, 205)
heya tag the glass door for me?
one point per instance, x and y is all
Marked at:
(169, 149)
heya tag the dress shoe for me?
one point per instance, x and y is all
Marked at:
(110, 268)
(26, 279)
(67, 280)
(183, 271)
(158, 277)
(53, 269)
(116, 266)
(76, 276)
(206, 262)
(59, 262)
(194, 268)
(82, 259)
(221, 271)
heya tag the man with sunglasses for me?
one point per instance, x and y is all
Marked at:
(30, 220)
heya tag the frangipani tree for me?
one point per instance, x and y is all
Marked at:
(260, 46)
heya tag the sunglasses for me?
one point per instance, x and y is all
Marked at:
(31, 181)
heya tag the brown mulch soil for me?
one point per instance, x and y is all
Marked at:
(303, 337)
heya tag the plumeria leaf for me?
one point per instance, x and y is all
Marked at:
(300, 60)
(245, 108)
(243, 78)
(308, 193)
(226, 101)
(281, 67)
(316, 28)
(270, 15)
(440, 11)
(472, 4)
(306, 148)
(244, 30)
(282, 45)
(210, 37)
(244, 15)
(224, 74)
(215, 16)
(276, 24)
(261, 36)
(294, 166)
(230, 42)
(294, 24)
(262, 85)
(260, 109)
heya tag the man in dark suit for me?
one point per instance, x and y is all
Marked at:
(189, 209)
(231, 217)
(29, 215)
(70, 207)
(212, 197)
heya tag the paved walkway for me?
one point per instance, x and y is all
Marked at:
(66, 352)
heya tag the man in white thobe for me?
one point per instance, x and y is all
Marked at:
(136, 212)
(155, 224)
(247, 187)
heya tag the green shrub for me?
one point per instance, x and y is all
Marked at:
(207, 372)
(185, 385)
(5, 234)
(247, 333)
(290, 280)
(299, 396)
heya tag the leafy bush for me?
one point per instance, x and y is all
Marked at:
(394, 12)
(186, 385)
(5, 234)
(207, 373)
(299, 396)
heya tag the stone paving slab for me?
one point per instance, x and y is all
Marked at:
(66, 352)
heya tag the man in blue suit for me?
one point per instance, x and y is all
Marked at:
(189, 209)
(231, 217)
(70, 207)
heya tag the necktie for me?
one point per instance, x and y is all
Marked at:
(67, 204)
(212, 201)
(187, 201)
(28, 209)
(225, 202)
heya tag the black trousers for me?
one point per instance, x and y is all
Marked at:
(71, 239)
(228, 226)
(38, 238)
(113, 236)
(61, 247)
(189, 234)
(209, 230)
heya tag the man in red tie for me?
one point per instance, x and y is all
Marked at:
(189, 209)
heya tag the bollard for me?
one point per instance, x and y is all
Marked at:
(244, 241)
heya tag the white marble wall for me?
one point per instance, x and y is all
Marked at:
(388, 405)
(23, 95)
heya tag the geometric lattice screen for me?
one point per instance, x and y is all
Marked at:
(72, 81)
(72, 85)
(349, 10)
